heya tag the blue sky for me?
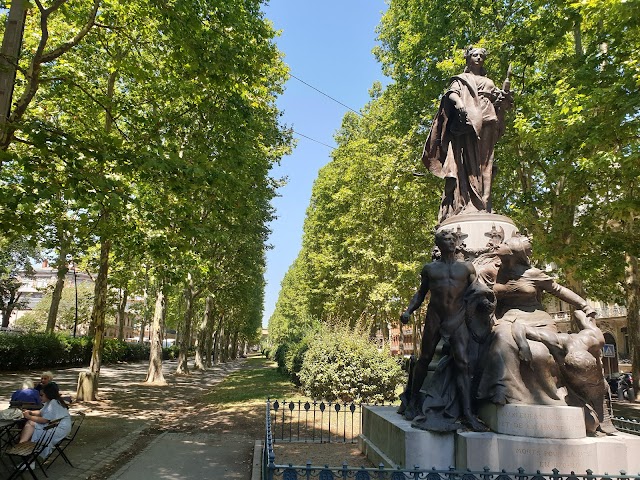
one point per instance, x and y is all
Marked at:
(327, 44)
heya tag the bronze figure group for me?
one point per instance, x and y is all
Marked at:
(500, 345)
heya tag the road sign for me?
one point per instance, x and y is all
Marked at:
(609, 350)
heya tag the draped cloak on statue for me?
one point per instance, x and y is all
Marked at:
(460, 147)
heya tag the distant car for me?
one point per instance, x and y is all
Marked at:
(168, 342)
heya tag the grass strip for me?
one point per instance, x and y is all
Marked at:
(254, 383)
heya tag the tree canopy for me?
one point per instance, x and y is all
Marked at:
(140, 142)
(568, 166)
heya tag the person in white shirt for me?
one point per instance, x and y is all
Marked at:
(54, 408)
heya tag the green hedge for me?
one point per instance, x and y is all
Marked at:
(347, 366)
(41, 351)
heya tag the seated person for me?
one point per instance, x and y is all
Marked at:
(54, 408)
(45, 378)
(27, 394)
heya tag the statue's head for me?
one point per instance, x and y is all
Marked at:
(519, 247)
(475, 56)
(446, 240)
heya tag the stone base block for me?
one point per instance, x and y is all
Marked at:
(389, 439)
(476, 450)
(539, 421)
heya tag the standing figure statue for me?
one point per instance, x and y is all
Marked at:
(447, 279)
(463, 136)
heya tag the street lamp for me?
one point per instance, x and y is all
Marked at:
(75, 284)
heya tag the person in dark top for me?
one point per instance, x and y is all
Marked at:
(26, 394)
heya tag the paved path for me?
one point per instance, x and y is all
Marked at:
(190, 456)
(127, 410)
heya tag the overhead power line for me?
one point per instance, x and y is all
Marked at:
(326, 95)
(314, 140)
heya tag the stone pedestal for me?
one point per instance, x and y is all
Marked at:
(476, 450)
(388, 438)
(539, 421)
(478, 227)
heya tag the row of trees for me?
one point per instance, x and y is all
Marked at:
(569, 164)
(139, 141)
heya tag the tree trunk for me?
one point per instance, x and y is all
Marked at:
(14, 299)
(204, 332)
(234, 346)
(217, 341)
(11, 45)
(63, 269)
(225, 347)
(185, 333)
(578, 287)
(122, 305)
(88, 384)
(632, 289)
(209, 345)
(154, 374)
(145, 312)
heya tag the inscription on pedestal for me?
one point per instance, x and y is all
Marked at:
(547, 458)
(535, 420)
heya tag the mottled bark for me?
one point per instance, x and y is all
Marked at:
(209, 345)
(224, 357)
(204, 331)
(122, 305)
(10, 305)
(234, 346)
(154, 374)
(57, 291)
(88, 381)
(145, 313)
(632, 289)
(185, 331)
(217, 341)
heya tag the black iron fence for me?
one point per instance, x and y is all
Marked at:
(626, 425)
(324, 422)
(291, 472)
(315, 422)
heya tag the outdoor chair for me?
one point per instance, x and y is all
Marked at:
(28, 452)
(61, 446)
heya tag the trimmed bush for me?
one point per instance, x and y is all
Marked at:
(294, 358)
(40, 351)
(346, 366)
(280, 356)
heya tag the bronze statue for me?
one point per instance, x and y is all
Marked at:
(578, 358)
(518, 287)
(447, 279)
(463, 136)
